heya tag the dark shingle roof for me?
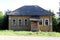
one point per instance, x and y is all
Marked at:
(31, 10)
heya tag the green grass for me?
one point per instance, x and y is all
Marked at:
(28, 33)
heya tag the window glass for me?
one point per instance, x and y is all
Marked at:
(40, 22)
(19, 21)
(14, 22)
(26, 22)
(46, 22)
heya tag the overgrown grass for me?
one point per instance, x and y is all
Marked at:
(28, 33)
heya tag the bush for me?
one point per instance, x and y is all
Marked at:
(58, 27)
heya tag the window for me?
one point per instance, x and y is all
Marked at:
(19, 22)
(40, 22)
(14, 22)
(46, 22)
(26, 22)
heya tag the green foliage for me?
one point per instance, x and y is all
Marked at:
(59, 24)
(1, 15)
(5, 22)
(28, 33)
(54, 22)
(58, 27)
(1, 19)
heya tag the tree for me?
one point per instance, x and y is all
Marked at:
(54, 23)
(6, 20)
(58, 27)
(1, 19)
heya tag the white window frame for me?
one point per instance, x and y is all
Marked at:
(24, 21)
(18, 21)
(42, 22)
(15, 22)
(9, 18)
(45, 20)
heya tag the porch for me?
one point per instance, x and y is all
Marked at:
(34, 24)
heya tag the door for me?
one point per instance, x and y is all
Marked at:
(34, 26)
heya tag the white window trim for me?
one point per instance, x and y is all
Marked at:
(15, 22)
(18, 21)
(48, 21)
(24, 21)
(42, 22)
(9, 18)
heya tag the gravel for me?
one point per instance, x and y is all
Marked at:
(28, 38)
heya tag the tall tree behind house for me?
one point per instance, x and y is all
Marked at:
(59, 13)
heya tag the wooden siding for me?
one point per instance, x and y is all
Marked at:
(17, 27)
(43, 27)
(23, 27)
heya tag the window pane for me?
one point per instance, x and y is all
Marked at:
(26, 22)
(19, 22)
(46, 22)
(40, 22)
(14, 23)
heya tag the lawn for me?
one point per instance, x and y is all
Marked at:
(28, 33)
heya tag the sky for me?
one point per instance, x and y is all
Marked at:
(14, 4)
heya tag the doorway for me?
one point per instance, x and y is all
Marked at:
(34, 25)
